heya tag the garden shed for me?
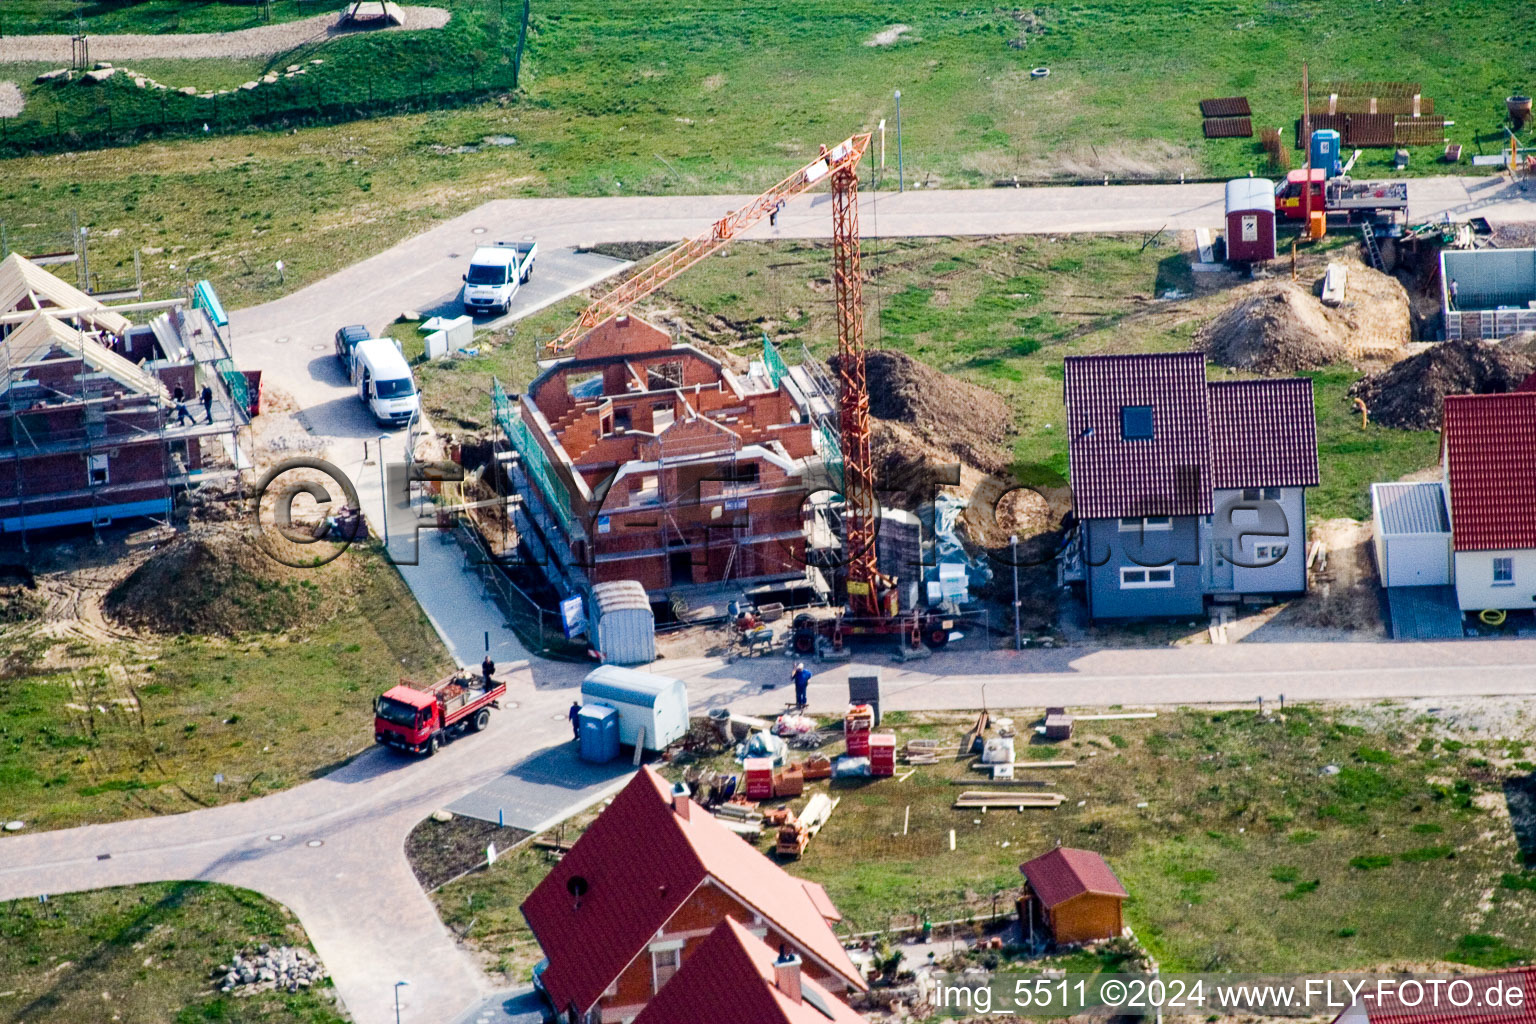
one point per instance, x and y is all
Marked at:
(624, 630)
(653, 709)
(1074, 894)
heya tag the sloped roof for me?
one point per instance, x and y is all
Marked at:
(1168, 475)
(1064, 873)
(42, 334)
(24, 286)
(638, 863)
(1489, 443)
(1390, 1009)
(730, 977)
(1263, 433)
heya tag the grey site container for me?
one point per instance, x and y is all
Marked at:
(624, 630)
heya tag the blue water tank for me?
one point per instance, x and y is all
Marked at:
(599, 731)
(1325, 152)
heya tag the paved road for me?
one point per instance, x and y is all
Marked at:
(353, 889)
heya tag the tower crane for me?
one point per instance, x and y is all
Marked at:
(872, 596)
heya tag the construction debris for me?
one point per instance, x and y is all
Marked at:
(981, 799)
(798, 832)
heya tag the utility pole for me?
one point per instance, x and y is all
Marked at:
(901, 180)
(1306, 142)
(1013, 545)
(384, 503)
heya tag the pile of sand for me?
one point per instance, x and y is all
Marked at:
(1281, 326)
(1273, 326)
(1409, 395)
(969, 423)
(214, 582)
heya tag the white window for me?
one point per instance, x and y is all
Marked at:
(1503, 572)
(98, 470)
(1143, 579)
(1146, 523)
(664, 964)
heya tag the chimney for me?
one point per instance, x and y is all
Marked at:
(786, 973)
(680, 801)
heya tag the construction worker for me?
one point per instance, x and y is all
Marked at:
(487, 669)
(575, 716)
(207, 397)
(180, 398)
(1455, 288)
(802, 679)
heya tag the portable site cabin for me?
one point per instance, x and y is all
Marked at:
(624, 630)
(1250, 220)
(1412, 534)
(653, 710)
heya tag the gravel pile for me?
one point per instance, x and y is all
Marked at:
(267, 969)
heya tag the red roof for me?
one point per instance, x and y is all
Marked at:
(410, 695)
(1112, 476)
(823, 902)
(1263, 433)
(1065, 873)
(637, 864)
(1391, 1010)
(730, 977)
(1489, 443)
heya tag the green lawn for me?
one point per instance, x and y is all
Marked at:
(143, 955)
(153, 17)
(1239, 851)
(1001, 313)
(626, 100)
(267, 711)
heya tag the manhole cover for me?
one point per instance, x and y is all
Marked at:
(508, 705)
(280, 341)
(557, 718)
(275, 837)
(477, 231)
(453, 255)
(315, 843)
(319, 348)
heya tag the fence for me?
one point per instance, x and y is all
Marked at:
(540, 629)
(123, 114)
(537, 463)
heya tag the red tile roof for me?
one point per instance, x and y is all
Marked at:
(730, 977)
(1263, 433)
(1169, 475)
(1063, 873)
(1391, 1010)
(1489, 442)
(638, 862)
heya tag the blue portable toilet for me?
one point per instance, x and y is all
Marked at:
(1325, 152)
(599, 730)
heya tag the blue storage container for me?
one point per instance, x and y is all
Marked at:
(1325, 152)
(599, 727)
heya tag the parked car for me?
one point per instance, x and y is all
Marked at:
(346, 340)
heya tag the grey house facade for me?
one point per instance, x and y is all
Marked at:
(1185, 490)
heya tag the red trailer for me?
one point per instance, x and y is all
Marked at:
(1250, 220)
(421, 718)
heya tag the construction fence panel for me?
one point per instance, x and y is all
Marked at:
(777, 370)
(555, 493)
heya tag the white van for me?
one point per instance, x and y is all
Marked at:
(384, 382)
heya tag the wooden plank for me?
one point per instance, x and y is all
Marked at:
(1117, 717)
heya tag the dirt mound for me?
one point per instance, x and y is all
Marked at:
(1409, 395)
(213, 582)
(1273, 326)
(1375, 319)
(950, 415)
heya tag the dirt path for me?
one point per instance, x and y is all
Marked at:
(262, 41)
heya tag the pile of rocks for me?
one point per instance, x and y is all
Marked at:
(269, 969)
(105, 70)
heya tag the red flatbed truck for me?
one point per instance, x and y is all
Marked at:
(1344, 197)
(419, 719)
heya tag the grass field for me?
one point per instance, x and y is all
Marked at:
(650, 100)
(134, 728)
(142, 954)
(1001, 313)
(1246, 855)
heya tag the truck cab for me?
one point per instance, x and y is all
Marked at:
(1289, 192)
(406, 717)
(384, 382)
(495, 273)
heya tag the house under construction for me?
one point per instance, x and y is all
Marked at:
(89, 426)
(643, 459)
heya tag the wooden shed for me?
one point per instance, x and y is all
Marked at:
(1250, 220)
(1074, 894)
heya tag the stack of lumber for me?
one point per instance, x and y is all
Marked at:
(977, 799)
(922, 752)
(741, 818)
